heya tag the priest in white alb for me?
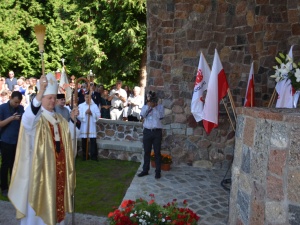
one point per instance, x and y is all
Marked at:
(89, 113)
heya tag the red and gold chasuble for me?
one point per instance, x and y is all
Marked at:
(60, 176)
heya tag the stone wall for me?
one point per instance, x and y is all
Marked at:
(120, 140)
(124, 131)
(243, 31)
(266, 168)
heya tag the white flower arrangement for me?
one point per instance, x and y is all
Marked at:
(287, 69)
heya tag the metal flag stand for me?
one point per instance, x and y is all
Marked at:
(226, 182)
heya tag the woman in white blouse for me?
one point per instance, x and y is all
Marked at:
(135, 104)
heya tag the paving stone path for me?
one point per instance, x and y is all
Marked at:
(200, 187)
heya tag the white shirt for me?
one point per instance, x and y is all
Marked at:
(138, 102)
(152, 119)
(117, 102)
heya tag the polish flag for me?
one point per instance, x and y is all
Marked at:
(216, 90)
(249, 98)
(287, 98)
(201, 83)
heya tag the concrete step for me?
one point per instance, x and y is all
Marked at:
(128, 146)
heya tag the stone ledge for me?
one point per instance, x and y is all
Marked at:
(128, 146)
(119, 122)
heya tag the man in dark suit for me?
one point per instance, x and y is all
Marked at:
(95, 95)
(81, 93)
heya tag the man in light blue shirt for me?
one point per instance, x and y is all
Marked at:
(152, 113)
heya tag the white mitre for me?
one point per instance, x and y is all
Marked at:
(52, 86)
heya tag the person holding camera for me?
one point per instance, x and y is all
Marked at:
(152, 113)
(135, 104)
(10, 117)
(118, 98)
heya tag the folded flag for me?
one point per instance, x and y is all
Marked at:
(201, 83)
(216, 90)
(249, 98)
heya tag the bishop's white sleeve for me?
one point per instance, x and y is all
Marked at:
(28, 117)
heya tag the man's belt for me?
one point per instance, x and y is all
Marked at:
(153, 129)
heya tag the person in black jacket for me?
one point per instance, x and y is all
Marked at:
(105, 105)
(96, 97)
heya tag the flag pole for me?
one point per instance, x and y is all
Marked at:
(74, 144)
(91, 80)
(272, 98)
(232, 103)
(228, 114)
(251, 89)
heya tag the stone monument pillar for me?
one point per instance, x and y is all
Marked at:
(266, 168)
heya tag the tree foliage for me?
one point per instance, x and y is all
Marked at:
(107, 37)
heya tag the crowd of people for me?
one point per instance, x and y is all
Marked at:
(38, 139)
(118, 103)
(27, 87)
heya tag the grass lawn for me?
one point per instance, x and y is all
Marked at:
(101, 186)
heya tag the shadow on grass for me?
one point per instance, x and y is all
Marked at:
(101, 186)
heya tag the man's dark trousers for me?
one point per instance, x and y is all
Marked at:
(152, 138)
(8, 152)
(93, 151)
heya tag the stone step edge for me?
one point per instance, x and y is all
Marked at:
(128, 146)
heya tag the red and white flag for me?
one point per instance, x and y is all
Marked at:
(216, 90)
(249, 98)
(64, 86)
(201, 83)
(286, 93)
